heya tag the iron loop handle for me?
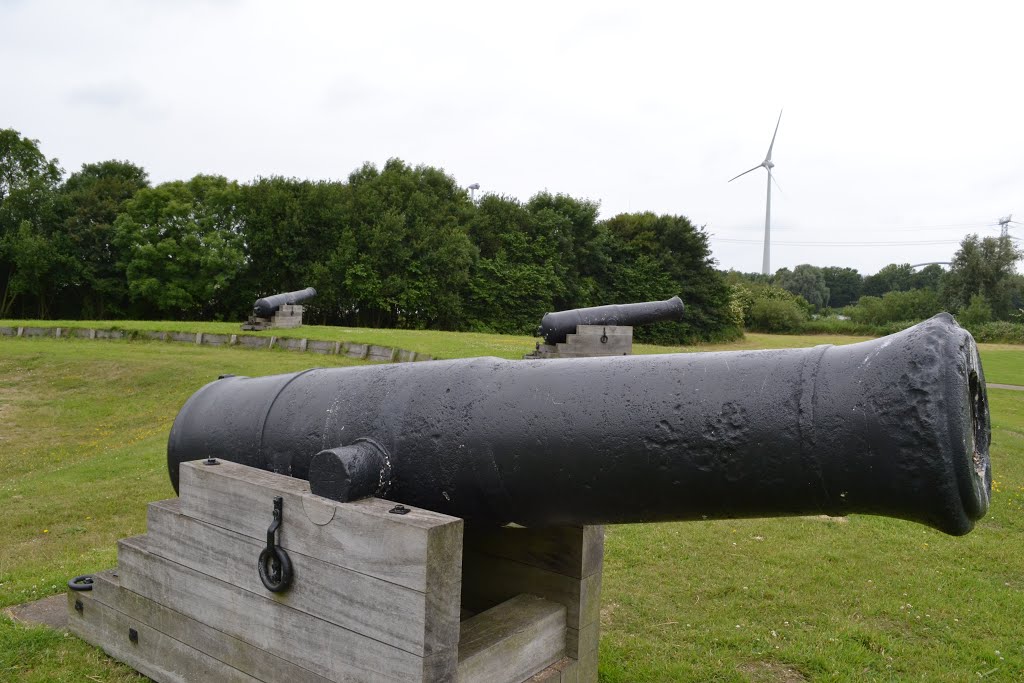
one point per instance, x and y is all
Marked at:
(274, 565)
(81, 583)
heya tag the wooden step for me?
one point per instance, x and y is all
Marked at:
(512, 641)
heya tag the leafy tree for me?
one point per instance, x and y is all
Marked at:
(895, 277)
(39, 266)
(21, 162)
(844, 285)
(983, 266)
(291, 227)
(182, 247)
(28, 182)
(90, 201)
(516, 278)
(978, 312)
(404, 260)
(571, 225)
(929, 277)
(809, 282)
(656, 257)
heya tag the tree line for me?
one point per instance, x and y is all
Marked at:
(980, 287)
(397, 246)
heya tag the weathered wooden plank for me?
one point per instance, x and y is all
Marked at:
(314, 644)
(236, 653)
(489, 580)
(381, 610)
(562, 671)
(576, 551)
(512, 641)
(423, 548)
(154, 654)
(582, 640)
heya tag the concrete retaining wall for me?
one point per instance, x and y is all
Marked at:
(372, 352)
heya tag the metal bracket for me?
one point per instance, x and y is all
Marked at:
(274, 565)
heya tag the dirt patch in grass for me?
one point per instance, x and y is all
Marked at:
(606, 613)
(771, 672)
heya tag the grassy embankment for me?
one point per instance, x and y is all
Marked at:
(83, 428)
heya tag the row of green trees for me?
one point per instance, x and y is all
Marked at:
(981, 286)
(397, 246)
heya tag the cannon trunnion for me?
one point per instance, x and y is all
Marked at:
(897, 426)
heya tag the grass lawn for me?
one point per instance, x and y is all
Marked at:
(83, 428)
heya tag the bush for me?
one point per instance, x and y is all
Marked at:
(999, 332)
(976, 313)
(916, 305)
(776, 315)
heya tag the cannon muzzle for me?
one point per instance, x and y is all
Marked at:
(897, 426)
(265, 307)
(555, 326)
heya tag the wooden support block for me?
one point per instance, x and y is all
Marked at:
(490, 580)
(512, 641)
(108, 596)
(561, 564)
(576, 551)
(562, 671)
(378, 609)
(154, 654)
(419, 550)
(375, 597)
(304, 640)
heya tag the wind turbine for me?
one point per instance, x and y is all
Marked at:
(768, 166)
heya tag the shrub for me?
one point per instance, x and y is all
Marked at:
(1000, 332)
(915, 305)
(776, 315)
(975, 313)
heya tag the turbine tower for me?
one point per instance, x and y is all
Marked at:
(768, 166)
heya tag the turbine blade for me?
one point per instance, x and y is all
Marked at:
(777, 186)
(769, 157)
(746, 172)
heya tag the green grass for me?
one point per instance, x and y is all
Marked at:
(83, 427)
(1003, 364)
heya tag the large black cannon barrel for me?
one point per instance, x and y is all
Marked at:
(266, 306)
(555, 326)
(897, 426)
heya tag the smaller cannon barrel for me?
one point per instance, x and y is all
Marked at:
(265, 307)
(555, 326)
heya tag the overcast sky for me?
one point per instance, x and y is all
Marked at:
(903, 124)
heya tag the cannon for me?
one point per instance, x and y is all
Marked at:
(554, 327)
(897, 426)
(265, 307)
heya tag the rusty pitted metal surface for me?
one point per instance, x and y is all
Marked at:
(554, 327)
(897, 426)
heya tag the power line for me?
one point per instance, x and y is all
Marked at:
(861, 228)
(909, 243)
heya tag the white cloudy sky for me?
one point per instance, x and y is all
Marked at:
(902, 131)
